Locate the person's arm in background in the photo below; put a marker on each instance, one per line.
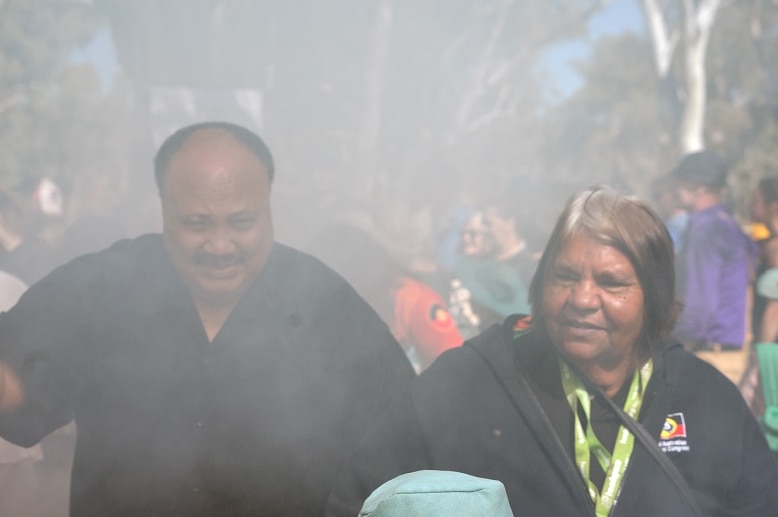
(768, 328)
(767, 286)
(11, 391)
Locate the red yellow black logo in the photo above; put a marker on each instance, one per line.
(674, 427)
(440, 316)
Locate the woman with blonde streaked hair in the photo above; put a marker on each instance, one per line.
(588, 407)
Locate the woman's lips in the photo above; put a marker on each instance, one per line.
(582, 326)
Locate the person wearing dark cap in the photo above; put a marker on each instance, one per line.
(715, 266)
(210, 370)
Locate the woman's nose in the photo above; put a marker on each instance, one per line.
(583, 295)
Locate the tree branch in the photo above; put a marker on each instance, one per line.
(663, 43)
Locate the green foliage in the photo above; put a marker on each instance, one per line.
(620, 126)
(614, 129)
(36, 38)
(743, 106)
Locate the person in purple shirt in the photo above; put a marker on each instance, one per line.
(715, 265)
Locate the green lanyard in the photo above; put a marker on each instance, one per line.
(587, 444)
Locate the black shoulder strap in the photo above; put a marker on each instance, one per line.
(494, 351)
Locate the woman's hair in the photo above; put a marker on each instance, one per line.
(634, 229)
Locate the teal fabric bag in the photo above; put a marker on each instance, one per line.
(437, 493)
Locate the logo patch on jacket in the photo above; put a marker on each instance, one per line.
(440, 317)
(673, 435)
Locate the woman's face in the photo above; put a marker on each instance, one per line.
(593, 305)
(475, 237)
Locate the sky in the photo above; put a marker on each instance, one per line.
(619, 17)
(101, 52)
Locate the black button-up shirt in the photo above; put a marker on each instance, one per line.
(256, 422)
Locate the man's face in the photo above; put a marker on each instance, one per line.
(216, 216)
(687, 194)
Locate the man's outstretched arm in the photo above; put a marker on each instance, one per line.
(11, 390)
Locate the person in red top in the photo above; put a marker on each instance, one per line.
(422, 323)
(415, 313)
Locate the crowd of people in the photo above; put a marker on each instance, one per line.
(211, 370)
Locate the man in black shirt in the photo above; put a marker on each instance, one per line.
(210, 370)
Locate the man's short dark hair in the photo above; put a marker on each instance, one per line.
(174, 142)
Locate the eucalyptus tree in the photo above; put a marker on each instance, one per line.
(36, 39)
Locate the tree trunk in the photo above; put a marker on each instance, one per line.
(699, 23)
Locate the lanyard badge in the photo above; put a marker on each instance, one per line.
(614, 463)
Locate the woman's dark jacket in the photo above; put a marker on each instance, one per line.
(474, 411)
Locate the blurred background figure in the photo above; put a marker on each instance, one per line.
(34, 481)
(508, 218)
(464, 233)
(22, 252)
(715, 267)
(764, 210)
(415, 313)
(475, 238)
(494, 265)
(664, 196)
(764, 214)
